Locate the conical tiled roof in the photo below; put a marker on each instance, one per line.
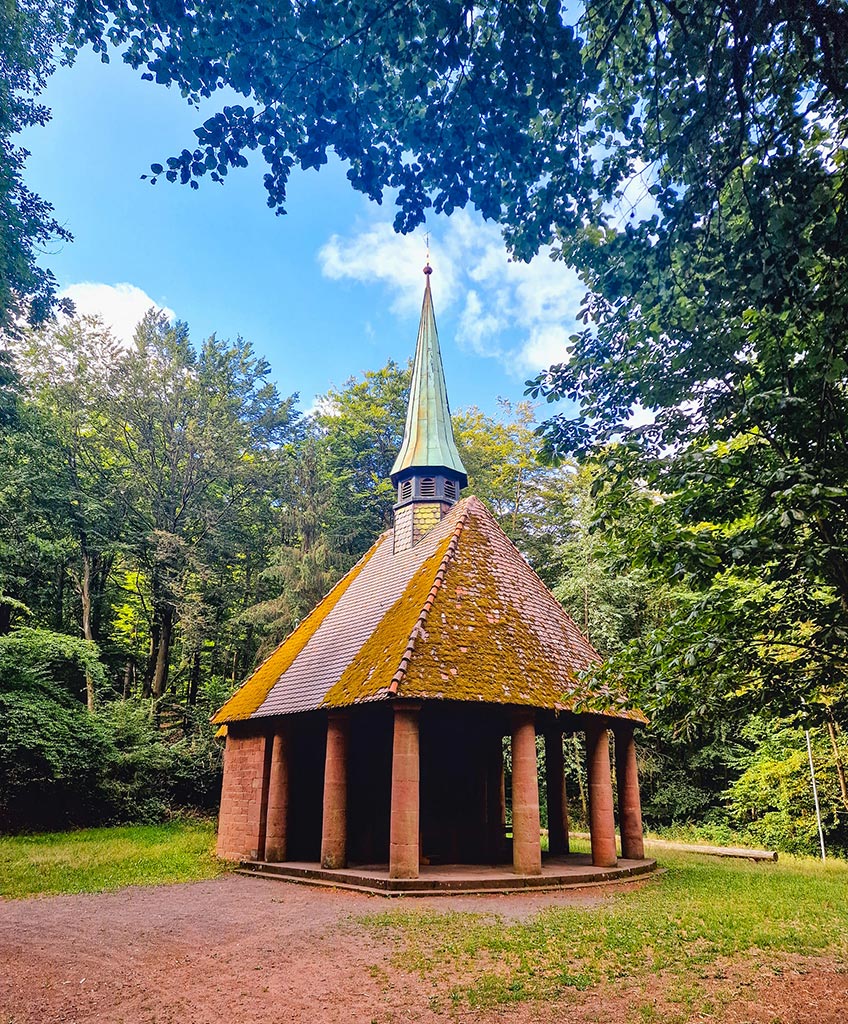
(460, 616)
(428, 440)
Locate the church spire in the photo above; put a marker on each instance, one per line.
(428, 471)
(428, 442)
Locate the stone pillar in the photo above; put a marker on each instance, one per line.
(404, 824)
(629, 803)
(259, 853)
(555, 785)
(276, 827)
(334, 825)
(526, 843)
(601, 814)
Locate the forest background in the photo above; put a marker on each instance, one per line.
(166, 515)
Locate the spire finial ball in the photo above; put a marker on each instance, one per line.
(428, 270)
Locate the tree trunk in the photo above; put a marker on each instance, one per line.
(5, 618)
(85, 595)
(128, 675)
(580, 786)
(59, 607)
(100, 577)
(586, 610)
(837, 757)
(163, 652)
(150, 668)
(85, 599)
(193, 679)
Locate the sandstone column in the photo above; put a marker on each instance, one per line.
(629, 803)
(601, 814)
(276, 826)
(334, 826)
(404, 824)
(526, 844)
(555, 785)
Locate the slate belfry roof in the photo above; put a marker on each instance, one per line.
(459, 616)
(428, 441)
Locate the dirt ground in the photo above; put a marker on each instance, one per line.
(253, 951)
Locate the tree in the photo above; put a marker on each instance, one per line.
(302, 568)
(198, 431)
(717, 307)
(534, 114)
(535, 504)
(375, 81)
(612, 600)
(772, 796)
(70, 375)
(361, 429)
(29, 32)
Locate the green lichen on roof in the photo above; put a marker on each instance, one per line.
(428, 436)
(495, 634)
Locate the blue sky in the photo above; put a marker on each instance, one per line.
(324, 293)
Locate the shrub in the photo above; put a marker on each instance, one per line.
(61, 765)
(53, 755)
(56, 663)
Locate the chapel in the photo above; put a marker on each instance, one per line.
(374, 735)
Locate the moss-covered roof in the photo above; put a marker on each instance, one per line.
(461, 616)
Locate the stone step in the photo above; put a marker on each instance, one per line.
(443, 884)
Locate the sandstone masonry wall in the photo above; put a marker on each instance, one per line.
(242, 812)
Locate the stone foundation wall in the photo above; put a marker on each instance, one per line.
(241, 818)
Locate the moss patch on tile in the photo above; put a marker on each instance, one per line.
(476, 646)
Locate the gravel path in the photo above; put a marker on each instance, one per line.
(250, 951)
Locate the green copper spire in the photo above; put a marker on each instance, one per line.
(428, 436)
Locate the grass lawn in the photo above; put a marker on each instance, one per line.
(96, 859)
(702, 912)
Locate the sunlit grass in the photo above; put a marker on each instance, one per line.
(680, 922)
(97, 859)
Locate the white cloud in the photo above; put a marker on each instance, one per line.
(380, 254)
(120, 306)
(640, 416)
(546, 346)
(519, 313)
(321, 405)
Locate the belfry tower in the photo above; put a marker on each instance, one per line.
(428, 471)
